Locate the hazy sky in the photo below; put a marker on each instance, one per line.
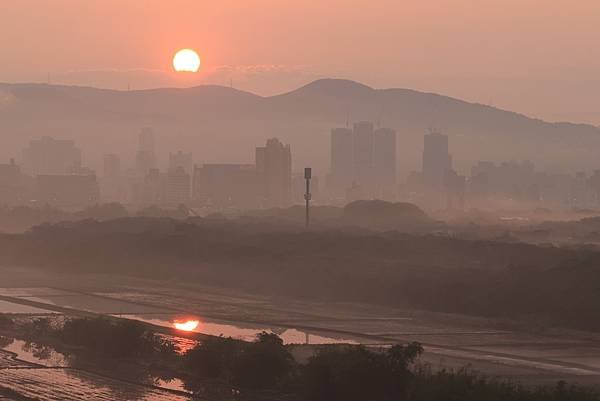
(540, 57)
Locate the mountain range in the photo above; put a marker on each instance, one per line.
(221, 124)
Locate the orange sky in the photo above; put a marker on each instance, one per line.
(534, 56)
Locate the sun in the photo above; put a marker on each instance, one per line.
(186, 60)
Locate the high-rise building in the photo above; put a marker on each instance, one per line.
(150, 190)
(178, 187)
(227, 186)
(49, 156)
(363, 154)
(363, 159)
(146, 155)
(71, 191)
(385, 161)
(436, 160)
(181, 159)
(342, 159)
(274, 167)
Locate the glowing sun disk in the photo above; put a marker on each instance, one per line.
(186, 60)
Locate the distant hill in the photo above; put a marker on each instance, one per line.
(220, 124)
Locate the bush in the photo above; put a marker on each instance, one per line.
(38, 328)
(214, 358)
(466, 386)
(262, 364)
(114, 338)
(353, 373)
(6, 322)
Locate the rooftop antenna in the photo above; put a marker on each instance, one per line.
(347, 120)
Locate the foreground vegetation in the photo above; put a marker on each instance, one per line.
(227, 369)
(538, 285)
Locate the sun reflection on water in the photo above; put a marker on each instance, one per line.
(188, 325)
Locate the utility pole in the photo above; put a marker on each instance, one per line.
(307, 195)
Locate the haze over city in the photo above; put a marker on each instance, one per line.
(299, 201)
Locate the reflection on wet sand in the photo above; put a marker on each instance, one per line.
(244, 332)
(42, 373)
(63, 384)
(449, 344)
(37, 354)
(189, 325)
(164, 317)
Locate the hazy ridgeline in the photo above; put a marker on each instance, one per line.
(209, 119)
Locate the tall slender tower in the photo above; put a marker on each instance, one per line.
(307, 195)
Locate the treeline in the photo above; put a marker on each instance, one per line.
(372, 214)
(224, 368)
(537, 284)
(22, 218)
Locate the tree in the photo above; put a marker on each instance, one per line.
(354, 373)
(263, 364)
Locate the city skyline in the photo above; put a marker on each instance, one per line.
(206, 118)
(363, 166)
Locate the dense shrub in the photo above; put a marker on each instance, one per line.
(467, 386)
(220, 367)
(262, 364)
(6, 321)
(38, 328)
(214, 358)
(113, 338)
(353, 373)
